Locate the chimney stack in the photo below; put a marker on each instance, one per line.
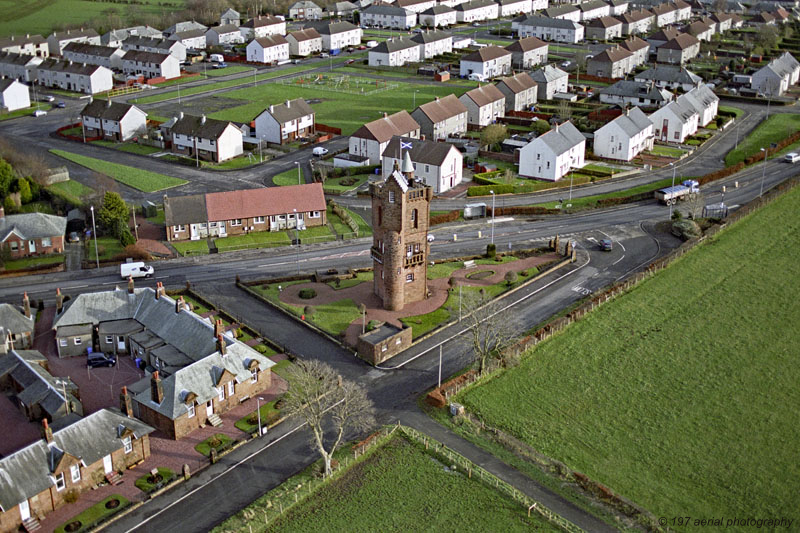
(217, 328)
(125, 404)
(26, 305)
(159, 290)
(179, 304)
(48, 433)
(271, 108)
(59, 301)
(221, 344)
(130, 284)
(156, 389)
(108, 102)
(288, 104)
(3, 341)
(202, 119)
(180, 115)
(2, 212)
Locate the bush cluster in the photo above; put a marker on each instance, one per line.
(344, 215)
(307, 294)
(450, 216)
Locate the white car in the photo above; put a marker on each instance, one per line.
(476, 77)
(39, 113)
(319, 151)
(431, 238)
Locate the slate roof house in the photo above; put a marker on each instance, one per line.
(230, 16)
(224, 34)
(29, 45)
(93, 54)
(674, 122)
(114, 121)
(19, 67)
(477, 10)
(670, 77)
(18, 326)
(388, 16)
(370, 140)
(437, 17)
(704, 101)
(438, 164)
(550, 80)
(191, 39)
(337, 34)
(37, 478)
(161, 46)
(777, 76)
(151, 65)
(549, 29)
(31, 234)
(261, 26)
(433, 43)
(520, 91)
(283, 123)
(87, 79)
(551, 155)
(239, 212)
(394, 52)
(59, 39)
(114, 38)
(14, 95)
(485, 104)
(204, 138)
(305, 10)
(625, 137)
(441, 117)
(626, 92)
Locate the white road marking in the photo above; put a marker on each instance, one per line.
(618, 260)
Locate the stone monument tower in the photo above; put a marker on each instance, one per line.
(400, 216)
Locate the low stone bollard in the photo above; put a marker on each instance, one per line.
(186, 473)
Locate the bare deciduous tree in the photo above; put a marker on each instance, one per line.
(323, 400)
(490, 328)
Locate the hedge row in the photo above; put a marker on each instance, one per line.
(617, 200)
(344, 215)
(523, 210)
(757, 157)
(338, 172)
(486, 178)
(450, 216)
(500, 188)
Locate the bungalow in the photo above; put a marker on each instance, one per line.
(337, 35)
(150, 65)
(240, 212)
(777, 76)
(477, 10)
(550, 80)
(528, 52)
(204, 138)
(59, 39)
(520, 91)
(269, 49)
(625, 137)
(415, 6)
(304, 42)
(674, 122)
(370, 140)
(305, 10)
(158, 46)
(511, 8)
(552, 155)
(637, 22)
(439, 16)
(611, 63)
(94, 54)
(549, 29)
(87, 79)
(439, 165)
(116, 121)
(29, 45)
(702, 30)
(37, 393)
(114, 38)
(19, 67)
(441, 117)
(283, 123)
(679, 50)
(670, 77)
(489, 61)
(190, 39)
(48, 473)
(635, 93)
(13, 95)
(484, 105)
(262, 26)
(394, 52)
(603, 28)
(388, 16)
(17, 326)
(594, 9)
(433, 43)
(222, 35)
(704, 101)
(638, 47)
(617, 7)
(563, 12)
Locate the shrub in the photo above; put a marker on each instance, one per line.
(450, 216)
(308, 310)
(491, 250)
(372, 324)
(71, 496)
(510, 277)
(307, 294)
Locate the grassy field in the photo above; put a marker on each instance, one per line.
(72, 191)
(398, 487)
(35, 16)
(257, 239)
(682, 394)
(191, 247)
(107, 248)
(591, 201)
(667, 151)
(776, 128)
(28, 262)
(139, 179)
(234, 69)
(288, 177)
(735, 110)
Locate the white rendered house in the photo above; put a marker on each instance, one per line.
(625, 137)
(551, 156)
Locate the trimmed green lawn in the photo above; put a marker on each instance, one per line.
(592, 201)
(249, 422)
(191, 247)
(26, 112)
(72, 191)
(335, 186)
(197, 307)
(144, 484)
(364, 229)
(776, 128)
(682, 394)
(361, 277)
(158, 220)
(217, 441)
(139, 179)
(335, 316)
(257, 239)
(243, 161)
(398, 487)
(315, 234)
(136, 148)
(93, 514)
(444, 270)
(288, 177)
(730, 109)
(233, 69)
(667, 151)
(29, 262)
(107, 248)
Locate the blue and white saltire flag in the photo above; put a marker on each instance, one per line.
(406, 145)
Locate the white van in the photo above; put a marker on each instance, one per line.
(135, 270)
(792, 157)
(476, 77)
(216, 58)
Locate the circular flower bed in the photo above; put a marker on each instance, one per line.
(113, 503)
(73, 526)
(307, 294)
(481, 274)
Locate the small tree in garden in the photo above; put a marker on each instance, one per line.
(493, 134)
(490, 328)
(510, 277)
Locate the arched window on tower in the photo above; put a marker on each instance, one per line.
(414, 218)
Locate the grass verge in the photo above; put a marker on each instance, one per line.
(774, 129)
(94, 514)
(139, 179)
(72, 191)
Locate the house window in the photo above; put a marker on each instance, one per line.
(60, 482)
(398, 342)
(409, 278)
(222, 393)
(77, 341)
(127, 446)
(677, 136)
(230, 388)
(109, 339)
(254, 376)
(384, 348)
(75, 473)
(236, 222)
(538, 157)
(46, 242)
(259, 220)
(391, 197)
(14, 246)
(314, 214)
(414, 217)
(62, 342)
(190, 407)
(548, 164)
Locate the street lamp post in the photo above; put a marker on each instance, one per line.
(259, 399)
(94, 234)
(298, 172)
(493, 196)
(570, 186)
(763, 172)
(672, 201)
(297, 243)
(415, 99)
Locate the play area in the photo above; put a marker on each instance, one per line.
(340, 83)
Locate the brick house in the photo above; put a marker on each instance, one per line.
(400, 248)
(67, 462)
(18, 327)
(114, 121)
(383, 342)
(228, 213)
(32, 234)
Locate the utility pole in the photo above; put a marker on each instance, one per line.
(135, 226)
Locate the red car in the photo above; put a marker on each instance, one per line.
(349, 61)
(362, 47)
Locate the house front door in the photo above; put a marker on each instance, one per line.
(210, 408)
(108, 466)
(222, 230)
(121, 344)
(24, 510)
(193, 232)
(32, 246)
